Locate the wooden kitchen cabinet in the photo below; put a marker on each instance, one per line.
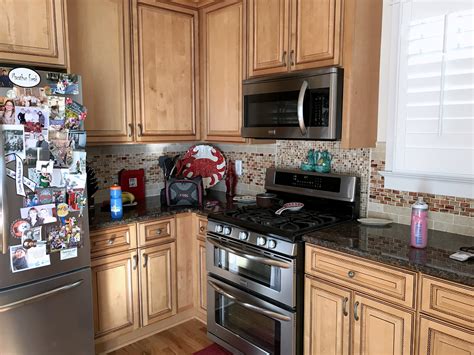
(115, 295)
(326, 319)
(202, 278)
(222, 62)
(100, 48)
(381, 329)
(158, 282)
(165, 57)
(33, 32)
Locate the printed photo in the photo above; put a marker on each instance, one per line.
(45, 168)
(4, 79)
(34, 175)
(36, 147)
(7, 111)
(32, 234)
(78, 165)
(65, 84)
(74, 181)
(19, 227)
(59, 146)
(58, 178)
(45, 196)
(31, 97)
(78, 140)
(39, 215)
(14, 140)
(34, 119)
(75, 114)
(57, 106)
(65, 237)
(25, 259)
(76, 199)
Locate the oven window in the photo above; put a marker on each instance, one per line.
(279, 109)
(256, 328)
(266, 275)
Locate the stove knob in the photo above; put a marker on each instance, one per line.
(261, 241)
(219, 228)
(243, 235)
(272, 244)
(227, 230)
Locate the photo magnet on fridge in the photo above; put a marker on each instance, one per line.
(78, 140)
(7, 111)
(35, 119)
(78, 165)
(19, 227)
(67, 236)
(14, 140)
(25, 259)
(57, 107)
(45, 168)
(30, 235)
(39, 215)
(5, 81)
(75, 115)
(63, 84)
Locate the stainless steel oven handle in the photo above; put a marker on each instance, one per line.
(265, 312)
(303, 88)
(253, 257)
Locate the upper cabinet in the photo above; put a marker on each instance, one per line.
(165, 70)
(33, 32)
(222, 47)
(291, 35)
(100, 48)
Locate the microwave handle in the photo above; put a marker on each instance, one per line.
(303, 88)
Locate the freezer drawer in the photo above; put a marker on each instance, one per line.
(53, 316)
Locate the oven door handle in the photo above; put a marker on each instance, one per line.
(248, 256)
(271, 314)
(303, 88)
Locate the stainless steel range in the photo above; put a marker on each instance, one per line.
(255, 261)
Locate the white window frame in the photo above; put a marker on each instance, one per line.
(438, 184)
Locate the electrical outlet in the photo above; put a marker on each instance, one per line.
(238, 167)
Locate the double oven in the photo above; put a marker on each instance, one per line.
(252, 288)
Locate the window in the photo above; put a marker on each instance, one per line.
(430, 140)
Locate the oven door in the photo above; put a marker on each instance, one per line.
(248, 323)
(267, 274)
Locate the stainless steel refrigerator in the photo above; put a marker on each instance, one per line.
(45, 309)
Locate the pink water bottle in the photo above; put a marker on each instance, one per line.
(419, 224)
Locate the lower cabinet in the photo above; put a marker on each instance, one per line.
(115, 288)
(437, 337)
(202, 278)
(158, 282)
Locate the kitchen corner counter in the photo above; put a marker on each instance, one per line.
(391, 245)
(151, 208)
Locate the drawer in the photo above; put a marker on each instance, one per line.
(113, 240)
(156, 232)
(201, 226)
(375, 279)
(447, 300)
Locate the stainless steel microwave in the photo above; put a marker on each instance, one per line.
(304, 105)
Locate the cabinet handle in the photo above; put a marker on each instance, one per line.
(140, 130)
(145, 259)
(356, 316)
(158, 231)
(344, 306)
(130, 129)
(111, 239)
(202, 229)
(135, 262)
(351, 274)
(292, 57)
(283, 57)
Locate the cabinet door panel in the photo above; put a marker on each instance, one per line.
(268, 36)
(327, 320)
(222, 42)
(202, 275)
(33, 31)
(166, 69)
(115, 288)
(381, 329)
(158, 281)
(100, 47)
(315, 33)
(438, 338)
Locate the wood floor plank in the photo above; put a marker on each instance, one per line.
(184, 339)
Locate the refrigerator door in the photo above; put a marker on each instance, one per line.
(48, 317)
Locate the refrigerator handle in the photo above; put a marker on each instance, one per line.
(35, 298)
(4, 234)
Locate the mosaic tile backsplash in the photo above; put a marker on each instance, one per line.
(447, 213)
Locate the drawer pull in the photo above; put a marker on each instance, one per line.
(145, 260)
(344, 306)
(356, 316)
(351, 274)
(110, 241)
(158, 231)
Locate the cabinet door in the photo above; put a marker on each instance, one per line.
(166, 65)
(316, 32)
(158, 282)
(100, 48)
(268, 38)
(202, 279)
(326, 319)
(115, 291)
(381, 329)
(222, 48)
(438, 338)
(33, 31)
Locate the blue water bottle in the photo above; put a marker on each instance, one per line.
(116, 208)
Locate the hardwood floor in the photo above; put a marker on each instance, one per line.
(185, 338)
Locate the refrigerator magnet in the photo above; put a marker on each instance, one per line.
(25, 259)
(78, 140)
(39, 215)
(62, 211)
(28, 183)
(14, 139)
(45, 168)
(67, 236)
(20, 189)
(68, 254)
(18, 227)
(32, 234)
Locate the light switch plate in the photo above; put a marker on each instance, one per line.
(238, 167)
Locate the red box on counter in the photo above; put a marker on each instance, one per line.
(133, 181)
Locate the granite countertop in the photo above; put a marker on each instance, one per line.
(391, 245)
(151, 208)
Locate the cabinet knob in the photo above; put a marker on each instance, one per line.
(351, 274)
(158, 231)
(202, 229)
